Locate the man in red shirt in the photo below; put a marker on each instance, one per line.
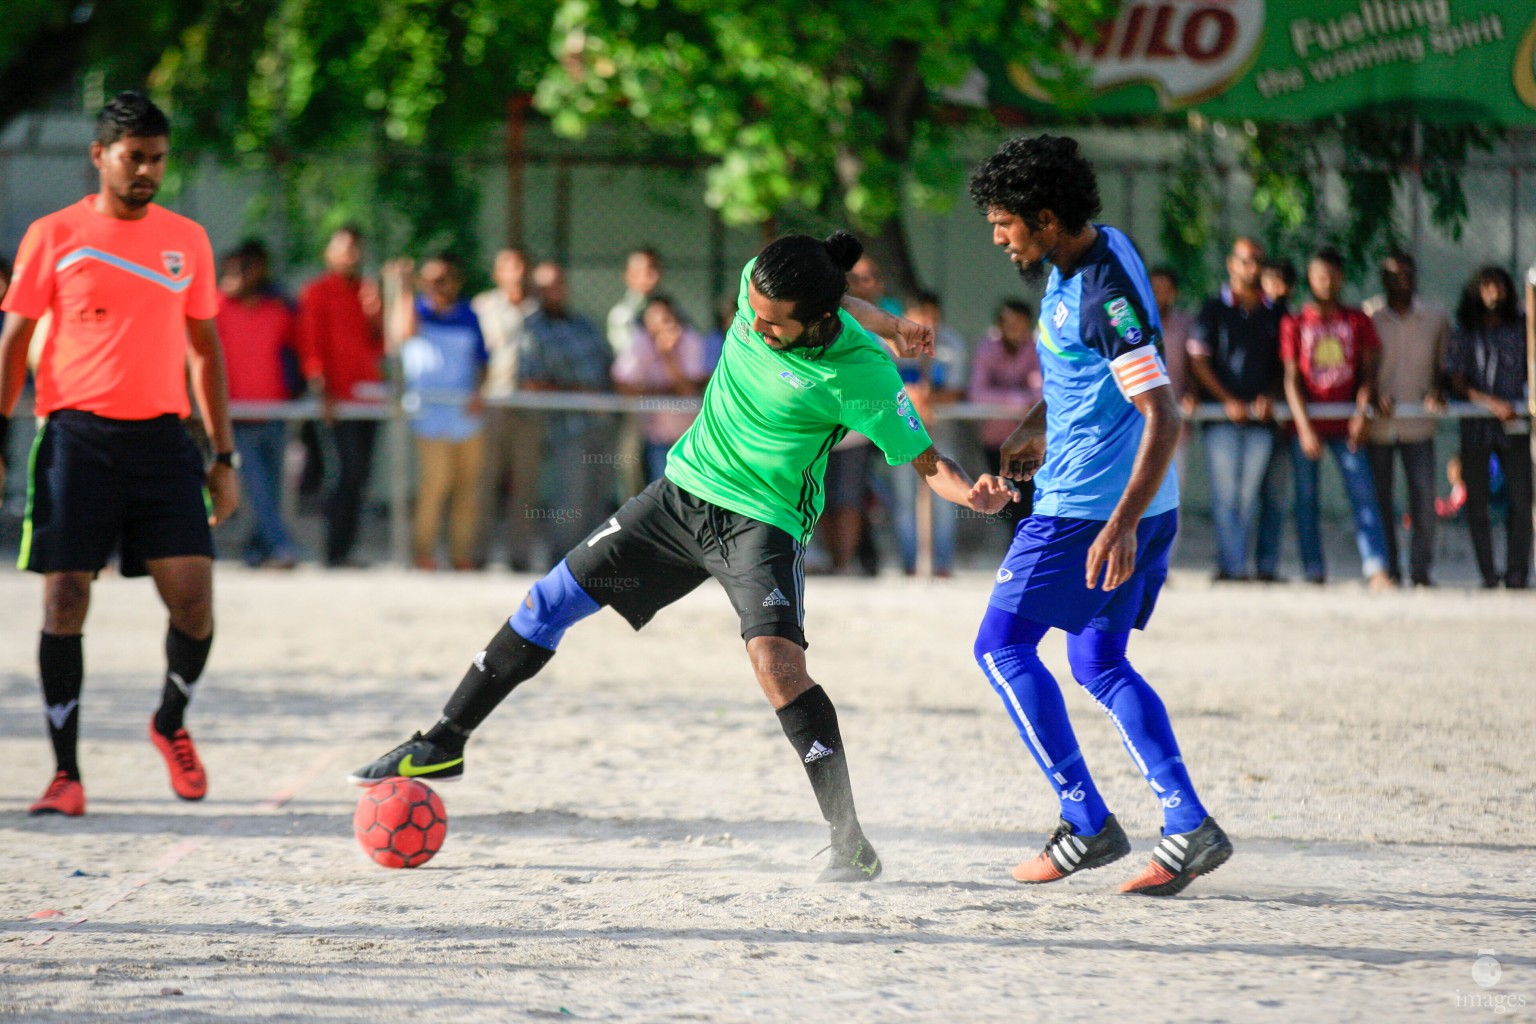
(129, 287)
(341, 340)
(256, 327)
(1331, 353)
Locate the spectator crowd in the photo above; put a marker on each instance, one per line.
(1291, 379)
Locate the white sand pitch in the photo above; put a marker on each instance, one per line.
(634, 840)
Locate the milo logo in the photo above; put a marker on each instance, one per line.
(1122, 317)
(1525, 68)
(1189, 50)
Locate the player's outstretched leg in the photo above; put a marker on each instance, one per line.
(516, 653)
(810, 723)
(62, 667)
(1088, 836)
(1192, 844)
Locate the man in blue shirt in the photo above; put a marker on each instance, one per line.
(566, 352)
(443, 359)
(1093, 556)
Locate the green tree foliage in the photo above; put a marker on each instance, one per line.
(1188, 229)
(1374, 155)
(366, 109)
(46, 45)
(828, 108)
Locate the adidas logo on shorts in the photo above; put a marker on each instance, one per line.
(776, 599)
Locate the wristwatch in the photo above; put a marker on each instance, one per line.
(230, 459)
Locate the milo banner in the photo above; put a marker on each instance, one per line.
(1295, 60)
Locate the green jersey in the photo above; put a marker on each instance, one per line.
(769, 419)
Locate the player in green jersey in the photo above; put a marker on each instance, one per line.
(741, 495)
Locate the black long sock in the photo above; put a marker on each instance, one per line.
(506, 661)
(62, 667)
(810, 722)
(184, 661)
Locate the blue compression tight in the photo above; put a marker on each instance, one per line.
(1007, 651)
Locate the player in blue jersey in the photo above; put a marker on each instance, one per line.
(1092, 557)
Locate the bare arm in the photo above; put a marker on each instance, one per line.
(1200, 369)
(907, 338)
(1022, 455)
(14, 341)
(401, 321)
(210, 387)
(1114, 550)
(988, 494)
(1502, 410)
(1366, 396)
(1298, 403)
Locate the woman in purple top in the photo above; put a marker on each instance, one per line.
(1006, 371)
(667, 358)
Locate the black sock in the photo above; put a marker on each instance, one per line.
(810, 722)
(184, 661)
(506, 661)
(62, 667)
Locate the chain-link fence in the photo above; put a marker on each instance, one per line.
(588, 207)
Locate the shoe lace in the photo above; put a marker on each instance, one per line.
(1062, 831)
(183, 752)
(57, 787)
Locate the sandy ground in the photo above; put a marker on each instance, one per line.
(635, 840)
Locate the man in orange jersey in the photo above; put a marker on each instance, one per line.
(130, 287)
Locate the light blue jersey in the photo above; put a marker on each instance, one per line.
(1100, 343)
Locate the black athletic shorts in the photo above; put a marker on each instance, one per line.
(97, 485)
(664, 542)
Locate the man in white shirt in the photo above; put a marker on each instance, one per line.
(1414, 335)
(514, 438)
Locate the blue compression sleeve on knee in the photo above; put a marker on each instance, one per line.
(554, 605)
(1006, 650)
(1099, 663)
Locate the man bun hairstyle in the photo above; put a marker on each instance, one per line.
(810, 272)
(130, 113)
(844, 249)
(1042, 172)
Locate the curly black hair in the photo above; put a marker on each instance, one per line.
(1470, 310)
(130, 113)
(1046, 172)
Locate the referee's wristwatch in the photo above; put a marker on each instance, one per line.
(230, 459)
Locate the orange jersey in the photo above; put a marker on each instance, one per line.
(120, 292)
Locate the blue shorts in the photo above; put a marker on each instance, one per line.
(1043, 576)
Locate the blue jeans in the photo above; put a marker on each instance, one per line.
(908, 490)
(1236, 455)
(1274, 499)
(261, 447)
(1355, 468)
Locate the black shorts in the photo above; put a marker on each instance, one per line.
(99, 484)
(664, 542)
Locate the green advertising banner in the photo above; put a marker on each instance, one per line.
(1296, 60)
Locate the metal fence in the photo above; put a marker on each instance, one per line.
(399, 486)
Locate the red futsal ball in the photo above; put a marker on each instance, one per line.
(400, 823)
